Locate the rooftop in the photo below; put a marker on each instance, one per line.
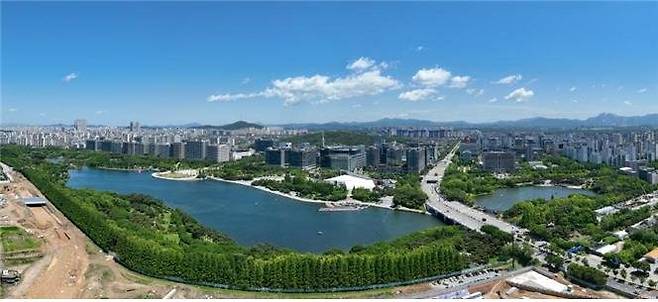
(34, 201)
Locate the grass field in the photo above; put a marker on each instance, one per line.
(17, 239)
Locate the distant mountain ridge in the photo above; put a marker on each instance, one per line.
(232, 126)
(602, 120)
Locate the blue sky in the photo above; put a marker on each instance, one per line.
(174, 62)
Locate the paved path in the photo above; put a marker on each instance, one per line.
(453, 210)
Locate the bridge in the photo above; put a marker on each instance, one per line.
(453, 211)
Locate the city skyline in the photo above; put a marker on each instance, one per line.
(320, 62)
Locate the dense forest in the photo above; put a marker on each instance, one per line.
(151, 238)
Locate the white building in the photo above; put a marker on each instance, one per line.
(351, 182)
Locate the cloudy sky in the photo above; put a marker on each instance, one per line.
(171, 63)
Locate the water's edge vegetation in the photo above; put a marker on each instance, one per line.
(153, 239)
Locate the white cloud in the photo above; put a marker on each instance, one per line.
(643, 90)
(475, 92)
(510, 79)
(232, 97)
(459, 81)
(362, 63)
(42, 114)
(357, 106)
(70, 77)
(432, 77)
(319, 87)
(628, 103)
(246, 80)
(418, 94)
(493, 100)
(520, 94)
(420, 48)
(99, 112)
(12, 109)
(572, 89)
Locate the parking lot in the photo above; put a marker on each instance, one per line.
(466, 279)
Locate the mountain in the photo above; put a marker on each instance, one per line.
(602, 120)
(232, 126)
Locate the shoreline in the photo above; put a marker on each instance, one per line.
(188, 178)
(124, 169)
(247, 183)
(302, 199)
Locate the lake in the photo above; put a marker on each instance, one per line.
(251, 216)
(504, 198)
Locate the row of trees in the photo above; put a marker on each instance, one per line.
(151, 238)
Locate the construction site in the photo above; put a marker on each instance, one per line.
(66, 264)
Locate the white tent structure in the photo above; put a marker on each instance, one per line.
(351, 182)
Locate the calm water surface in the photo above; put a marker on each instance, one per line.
(504, 198)
(252, 216)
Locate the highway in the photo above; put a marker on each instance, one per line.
(453, 210)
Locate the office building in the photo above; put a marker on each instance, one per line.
(80, 125)
(301, 158)
(498, 161)
(195, 150)
(134, 127)
(343, 158)
(218, 153)
(261, 144)
(394, 156)
(415, 159)
(159, 150)
(373, 156)
(92, 144)
(178, 150)
(275, 156)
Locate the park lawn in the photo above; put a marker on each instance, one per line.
(17, 239)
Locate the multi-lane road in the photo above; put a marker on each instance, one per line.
(456, 211)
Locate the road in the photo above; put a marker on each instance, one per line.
(456, 211)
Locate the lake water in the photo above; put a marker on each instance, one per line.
(251, 216)
(504, 198)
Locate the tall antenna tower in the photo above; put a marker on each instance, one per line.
(322, 139)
